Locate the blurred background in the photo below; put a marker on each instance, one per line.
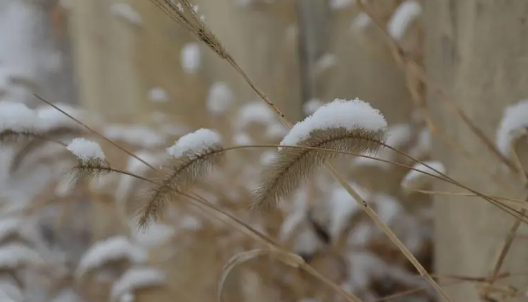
(130, 72)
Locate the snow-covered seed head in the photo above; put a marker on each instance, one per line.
(85, 150)
(91, 159)
(416, 179)
(343, 126)
(192, 157)
(512, 127)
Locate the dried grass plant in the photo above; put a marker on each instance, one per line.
(128, 216)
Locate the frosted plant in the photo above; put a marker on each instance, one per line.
(86, 150)
(415, 179)
(111, 249)
(158, 95)
(191, 57)
(341, 125)
(191, 158)
(512, 126)
(127, 12)
(194, 142)
(220, 98)
(136, 278)
(404, 15)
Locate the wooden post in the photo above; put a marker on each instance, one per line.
(478, 52)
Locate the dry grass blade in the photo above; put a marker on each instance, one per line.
(181, 174)
(293, 165)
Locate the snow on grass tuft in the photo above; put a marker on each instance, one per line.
(17, 117)
(404, 15)
(220, 98)
(136, 278)
(191, 57)
(114, 248)
(86, 150)
(417, 180)
(195, 142)
(512, 126)
(351, 115)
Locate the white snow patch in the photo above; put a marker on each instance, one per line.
(255, 112)
(220, 98)
(127, 12)
(311, 106)
(351, 115)
(17, 117)
(195, 142)
(158, 95)
(114, 248)
(362, 20)
(154, 235)
(404, 15)
(191, 57)
(136, 278)
(242, 138)
(86, 150)
(513, 125)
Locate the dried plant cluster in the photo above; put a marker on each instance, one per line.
(95, 211)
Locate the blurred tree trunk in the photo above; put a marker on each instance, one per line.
(478, 52)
